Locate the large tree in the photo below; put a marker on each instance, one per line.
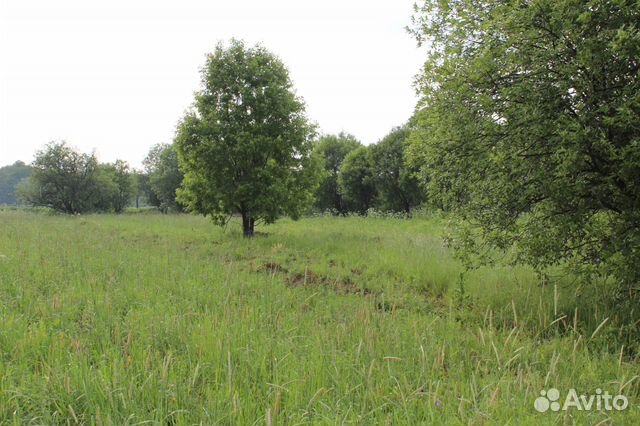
(246, 145)
(398, 186)
(529, 127)
(331, 149)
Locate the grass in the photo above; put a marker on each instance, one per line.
(168, 320)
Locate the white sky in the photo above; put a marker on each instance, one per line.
(116, 76)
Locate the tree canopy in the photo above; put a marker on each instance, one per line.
(396, 181)
(163, 177)
(63, 179)
(69, 181)
(246, 145)
(528, 127)
(357, 180)
(332, 149)
(121, 183)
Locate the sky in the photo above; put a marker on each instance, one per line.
(115, 76)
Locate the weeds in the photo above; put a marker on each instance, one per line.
(170, 320)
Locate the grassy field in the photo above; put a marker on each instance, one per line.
(169, 320)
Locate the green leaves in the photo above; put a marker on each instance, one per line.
(164, 177)
(357, 180)
(331, 151)
(395, 180)
(10, 178)
(71, 182)
(528, 126)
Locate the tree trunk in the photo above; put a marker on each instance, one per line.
(248, 223)
(407, 208)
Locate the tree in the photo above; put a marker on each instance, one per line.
(332, 149)
(528, 127)
(10, 177)
(357, 180)
(118, 187)
(246, 145)
(105, 190)
(398, 186)
(63, 179)
(164, 177)
(143, 193)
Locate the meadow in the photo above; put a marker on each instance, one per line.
(170, 320)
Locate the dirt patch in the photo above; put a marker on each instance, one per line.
(305, 278)
(343, 285)
(347, 286)
(273, 267)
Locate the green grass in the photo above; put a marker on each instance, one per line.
(149, 319)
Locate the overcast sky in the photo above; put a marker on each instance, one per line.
(115, 76)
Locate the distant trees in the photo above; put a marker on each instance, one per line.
(246, 145)
(143, 193)
(332, 149)
(119, 185)
(72, 182)
(396, 181)
(163, 177)
(357, 180)
(10, 177)
(63, 179)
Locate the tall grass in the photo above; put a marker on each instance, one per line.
(149, 319)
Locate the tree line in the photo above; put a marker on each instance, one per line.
(356, 177)
(69, 181)
(350, 178)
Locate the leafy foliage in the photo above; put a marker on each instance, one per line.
(528, 127)
(246, 146)
(69, 181)
(121, 184)
(164, 177)
(10, 178)
(64, 180)
(396, 181)
(357, 180)
(332, 149)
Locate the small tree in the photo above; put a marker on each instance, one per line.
(141, 188)
(246, 145)
(119, 193)
(105, 189)
(331, 149)
(357, 180)
(164, 177)
(63, 179)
